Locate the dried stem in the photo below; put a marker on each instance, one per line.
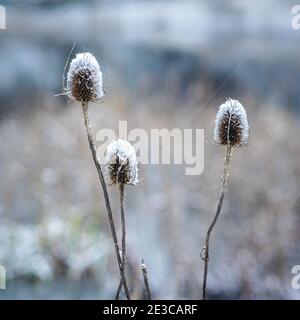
(106, 198)
(122, 210)
(205, 249)
(146, 282)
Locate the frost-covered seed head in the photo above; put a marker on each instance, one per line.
(231, 125)
(121, 163)
(84, 79)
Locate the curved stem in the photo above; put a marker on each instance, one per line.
(122, 210)
(205, 249)
(146, 282)
(106, 198)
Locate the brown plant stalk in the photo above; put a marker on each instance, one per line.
(122, 211)
(106, 198)
(205, 251)
(121, 170)
(146, 282)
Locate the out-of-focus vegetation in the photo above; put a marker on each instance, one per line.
(170, 65)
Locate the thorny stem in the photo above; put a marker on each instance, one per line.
(146, 282)
(106, 198)
(122, 210)
(205, 249)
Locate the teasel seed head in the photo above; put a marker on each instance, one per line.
(121, 163)
(231, 124)
(84, 79)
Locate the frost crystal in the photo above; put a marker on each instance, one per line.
(84, 79)
(231, 125)
(121, 163)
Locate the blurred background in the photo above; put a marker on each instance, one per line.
(169, 64)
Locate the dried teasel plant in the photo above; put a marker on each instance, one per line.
(231, 130)
(146, 281)
(122, 170)
(84, 79)
(231, 126)
(121, 165)
(84, 85)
